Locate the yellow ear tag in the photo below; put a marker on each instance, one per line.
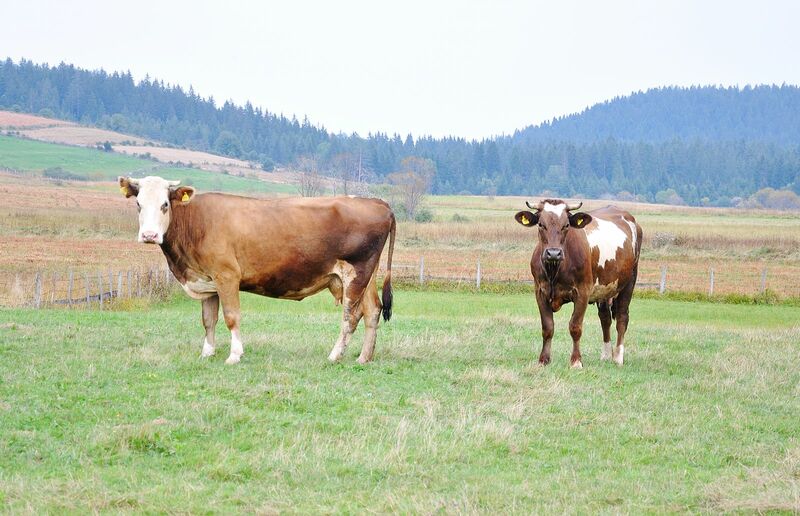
(524, 220)
(580, 222)
(124, 190)
(185, 197)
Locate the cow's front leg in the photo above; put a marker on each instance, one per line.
(210, 317)
(576, 330)
(546, 315)
(229, 296)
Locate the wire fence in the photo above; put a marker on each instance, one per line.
(98, 289)
(82, 289)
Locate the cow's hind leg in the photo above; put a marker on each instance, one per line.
(229, 296)
(351, 314)
(371, 308)
(353, 284)
(604, 311)
(210, 317)
(620, 310)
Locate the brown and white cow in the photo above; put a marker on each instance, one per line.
(217, 245)
(583, 258)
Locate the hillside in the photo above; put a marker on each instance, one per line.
(699, 146)
(762, 113)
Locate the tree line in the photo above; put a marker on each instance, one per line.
(699, 145)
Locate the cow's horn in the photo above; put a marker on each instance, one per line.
(571, 207)
(174, 183)
(538, 207)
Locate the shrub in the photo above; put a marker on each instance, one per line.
(423, 215)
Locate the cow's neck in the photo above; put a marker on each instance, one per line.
(177, 240)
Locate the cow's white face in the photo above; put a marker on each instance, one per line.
(154, 198)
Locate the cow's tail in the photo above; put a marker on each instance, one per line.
(387, 297)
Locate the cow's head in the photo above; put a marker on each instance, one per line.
(554, 218)
(154, 200)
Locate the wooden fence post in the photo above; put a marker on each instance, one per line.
(37, 290)
(421, 270)
(138, 284)
(86, 284)
(478, 276)
(53, 290)
(711, 282)
(69, 288)
(662, 287)
(764, 280)
(119, 284)
(129, 283)
(100, 289)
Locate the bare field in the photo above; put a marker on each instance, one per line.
(11, 120)
(79, 135)
(196, 158)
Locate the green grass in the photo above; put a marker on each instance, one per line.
(114, 411)
(96, 165)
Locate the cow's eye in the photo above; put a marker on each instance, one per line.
(164, 206)
(566, 226)
(138, 206)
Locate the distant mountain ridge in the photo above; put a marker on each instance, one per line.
(755, 113)
(699, 145)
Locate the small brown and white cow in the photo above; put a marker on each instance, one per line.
(217, 245)
(583, 258)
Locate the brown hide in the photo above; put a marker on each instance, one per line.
(283, 248)
(580, 270)
(597, 264)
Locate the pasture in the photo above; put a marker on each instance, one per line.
(115, 411)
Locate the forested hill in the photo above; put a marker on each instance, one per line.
(761, 113)
(698, 145)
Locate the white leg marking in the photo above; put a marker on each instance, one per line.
(619, 354)
(208, 349)
(336, 353)
(577, 365)
(606, 353)
(237, 349)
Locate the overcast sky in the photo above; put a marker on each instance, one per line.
(463, 68)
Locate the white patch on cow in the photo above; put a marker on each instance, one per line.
(577, 365)
(556, 209)
(153, 221)
(200, 288)
(633, 233)
(208, 349)
(237, 349)
(606, 353)
(607, 237)
(619, 354)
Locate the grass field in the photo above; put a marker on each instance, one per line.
(114, 411)
(96, 165)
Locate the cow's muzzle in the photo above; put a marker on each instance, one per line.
(149, 237)
(553, 254)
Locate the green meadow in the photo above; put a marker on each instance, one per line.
(96, 165)
(114, 411)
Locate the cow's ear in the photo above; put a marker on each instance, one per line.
(128, 187)
(526, 218)
(183, 194)
(579, 220)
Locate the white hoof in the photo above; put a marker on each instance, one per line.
(619, 355)
(233, 359)
(208, 350)
(336, 355)
(577, 365)
(605, 354)
(362, 360)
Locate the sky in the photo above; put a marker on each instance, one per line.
(465, 68)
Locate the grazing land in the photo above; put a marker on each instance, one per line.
(115, 411)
